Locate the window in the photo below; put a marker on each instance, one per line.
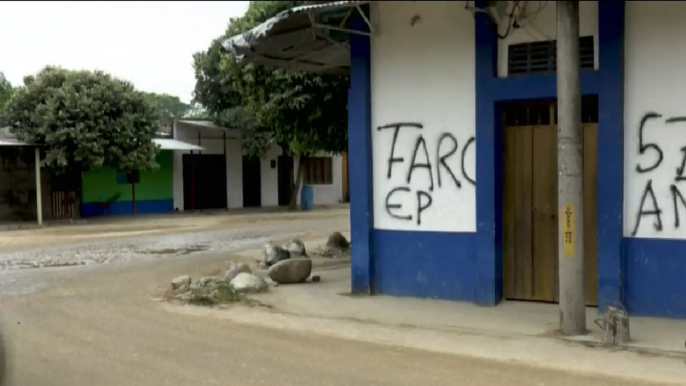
(318, 171)
(124, 179)
(541, 57)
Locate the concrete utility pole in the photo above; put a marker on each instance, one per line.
(570, 172)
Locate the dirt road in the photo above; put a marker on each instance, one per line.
(104, 325)
(101, 326)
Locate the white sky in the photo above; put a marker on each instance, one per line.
(150, 44)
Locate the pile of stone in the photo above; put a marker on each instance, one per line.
(287, 264)
(236, 282)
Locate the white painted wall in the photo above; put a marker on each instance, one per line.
(542, 25)
(323, 194)
(326, 194)
(424, 74)
(655, 65)
(270, 177)
(234, 173)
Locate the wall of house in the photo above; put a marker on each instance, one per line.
(542, 26)
(655, 156)
(213, 144)
(329, 193)
(323, 194)
(18, 186)
(154, 192)
(423, 149)
(270, 177)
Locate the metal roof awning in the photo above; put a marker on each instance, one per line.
(309, 38)
(174, 144)
(12, 142)
(9, 139)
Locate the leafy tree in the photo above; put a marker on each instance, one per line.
(6, 90)
(303, 113)
(170, 106)
(85, 120)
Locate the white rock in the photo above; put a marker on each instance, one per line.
(295, 246)
(247, 282)
(181, 282)
(235, 270)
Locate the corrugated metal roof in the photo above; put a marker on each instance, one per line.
(174, 144)
(9, 139)
(289, 40)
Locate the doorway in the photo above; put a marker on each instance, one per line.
(204, 181)
(530, 220)
(285, 170)
(252, 182)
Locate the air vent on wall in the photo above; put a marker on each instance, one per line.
(540, 57)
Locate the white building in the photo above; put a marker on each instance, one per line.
(223, 176)
(462, 203)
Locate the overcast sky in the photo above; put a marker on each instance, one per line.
(150, 44)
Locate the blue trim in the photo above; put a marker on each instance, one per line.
(360, 161)
(91, 209)
(608, 84)
(488, 268)
(610, 153)
(655, 272)
(543, 86)
(436, 265)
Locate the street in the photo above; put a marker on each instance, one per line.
(104, 324)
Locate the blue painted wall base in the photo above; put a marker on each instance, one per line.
(655, 274)
(436, 265)
(124, 207)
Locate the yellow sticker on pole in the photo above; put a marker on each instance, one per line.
(568, 233)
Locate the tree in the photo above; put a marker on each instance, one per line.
(6, 90)
(303, 113)
(85, 120)
(170, 106)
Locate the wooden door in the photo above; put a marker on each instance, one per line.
(530, 221)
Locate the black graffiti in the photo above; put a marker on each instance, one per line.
(426, 165)
(422, 207)
(642, 148)
(464, 153)
(677, 194)
(396, 129)
(656, 211)
(681, 169)
(390, 206)
(424, 199)
(441, 159)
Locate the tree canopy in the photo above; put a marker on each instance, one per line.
(304, 113)
(85, 120)
(6, 90)
(170, 106)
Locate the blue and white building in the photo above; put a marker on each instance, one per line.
(452, 144)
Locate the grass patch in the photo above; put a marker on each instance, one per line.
(227, 294)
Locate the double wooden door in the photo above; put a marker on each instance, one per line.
(530, 219)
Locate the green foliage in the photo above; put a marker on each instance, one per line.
(85, 120)
(6, 90)
(304, 113)
(170, 106)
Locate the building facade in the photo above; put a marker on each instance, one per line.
(223, 176)
(453, 154)
(107, 191)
